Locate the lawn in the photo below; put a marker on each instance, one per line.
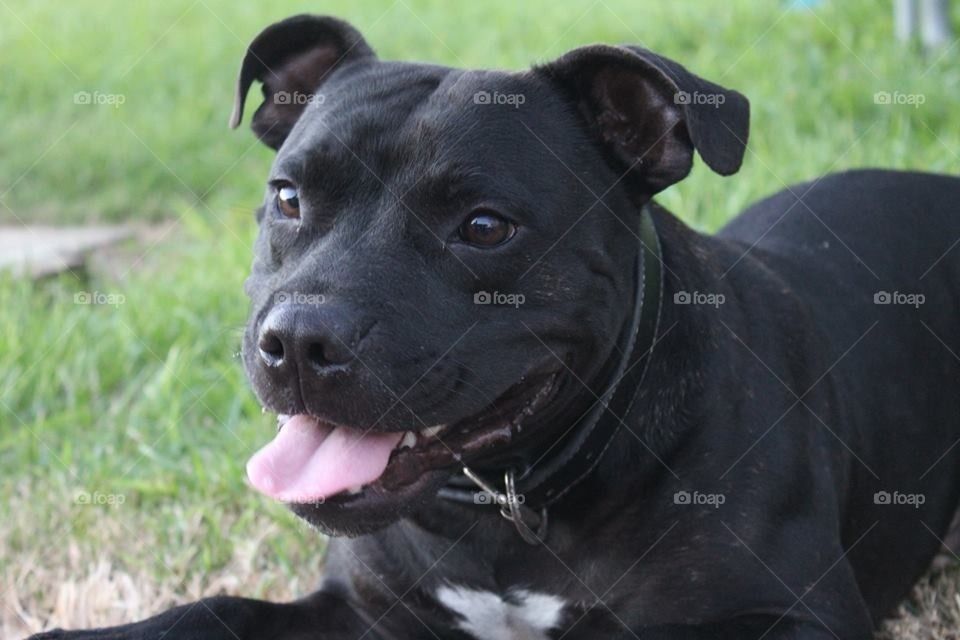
(124, 428)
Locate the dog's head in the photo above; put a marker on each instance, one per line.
(446, 257)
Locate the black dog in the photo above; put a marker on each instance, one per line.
(537, 405)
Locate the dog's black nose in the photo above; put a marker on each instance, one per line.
(303, 337)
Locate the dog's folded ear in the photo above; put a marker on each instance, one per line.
(292, 58)
(650, 113)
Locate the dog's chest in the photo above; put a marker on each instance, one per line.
(518, 614)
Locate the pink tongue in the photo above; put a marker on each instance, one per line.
(309, 461)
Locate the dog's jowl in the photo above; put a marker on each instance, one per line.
(528, 402)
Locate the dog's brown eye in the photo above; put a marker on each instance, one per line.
(288, 201)
(486, 229)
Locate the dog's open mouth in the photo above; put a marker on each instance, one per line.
(311, 461)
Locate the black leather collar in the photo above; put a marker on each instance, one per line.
(525, 498)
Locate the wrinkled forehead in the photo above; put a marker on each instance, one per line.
(393, 119)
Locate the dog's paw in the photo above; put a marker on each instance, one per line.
(62, 634)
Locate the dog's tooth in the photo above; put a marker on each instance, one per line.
(434, 430)
(355, 490)
(409, 440)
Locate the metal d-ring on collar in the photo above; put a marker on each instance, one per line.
(555, 475)
(512, 506)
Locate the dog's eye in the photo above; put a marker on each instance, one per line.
(288, 201)
(486, 229)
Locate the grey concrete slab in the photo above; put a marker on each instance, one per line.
(38, 251)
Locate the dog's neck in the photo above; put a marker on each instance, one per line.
(658, 421)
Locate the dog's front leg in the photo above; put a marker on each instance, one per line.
(321, 616)
(747, 628)
(754, 629)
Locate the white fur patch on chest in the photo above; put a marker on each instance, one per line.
(520, 615)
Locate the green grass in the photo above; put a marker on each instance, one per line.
(147, 399)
